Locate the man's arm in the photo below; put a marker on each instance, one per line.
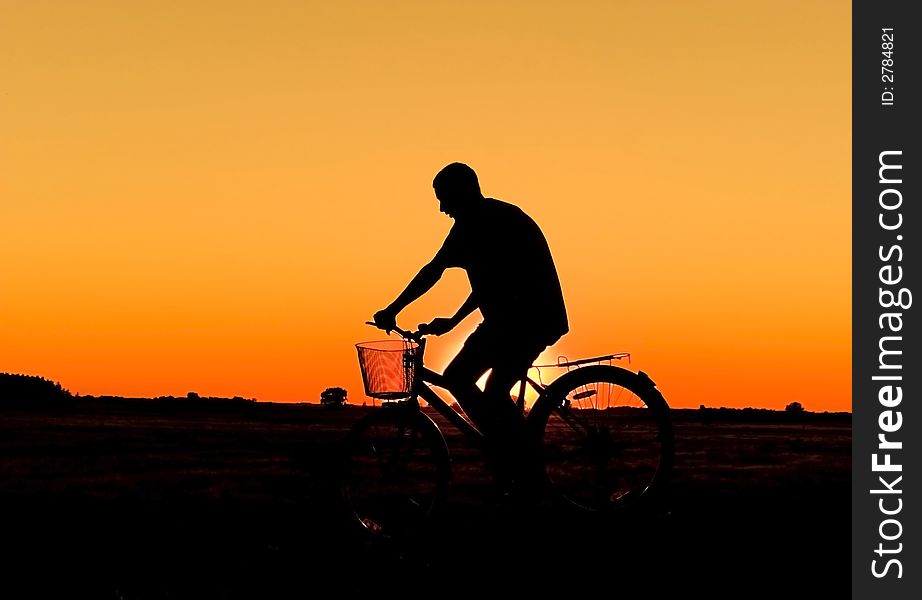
(419, 285)
(469, 306)
(443, 325)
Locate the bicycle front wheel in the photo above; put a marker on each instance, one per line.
(605, 436)
(395, 471)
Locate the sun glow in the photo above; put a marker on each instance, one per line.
(215, 197)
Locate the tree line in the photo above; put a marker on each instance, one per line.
(31, 390)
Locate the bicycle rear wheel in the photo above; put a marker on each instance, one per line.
(605, 436)
(395, 471)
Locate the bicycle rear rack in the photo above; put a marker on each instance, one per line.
(563, 362)
(569, 365)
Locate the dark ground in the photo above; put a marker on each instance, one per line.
(138, 499)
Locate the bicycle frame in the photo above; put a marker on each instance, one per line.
(422, 390)
(425, 376)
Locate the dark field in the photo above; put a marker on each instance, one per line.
(135, 499)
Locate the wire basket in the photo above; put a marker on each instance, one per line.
(388, 368)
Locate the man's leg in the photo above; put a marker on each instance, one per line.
(462, 373)
(504, 413)
(510, 437)
(496, 417)
(493, 411)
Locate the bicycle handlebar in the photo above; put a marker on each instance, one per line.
(415, 336)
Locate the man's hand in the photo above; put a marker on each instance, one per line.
(385, 319)
(437, 326)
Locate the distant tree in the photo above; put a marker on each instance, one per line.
(333, 397)
(794, 407)
(193, 396)
(705, 413)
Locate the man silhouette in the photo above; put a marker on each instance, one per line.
(514, 284)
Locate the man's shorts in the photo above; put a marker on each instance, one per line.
(510, 350)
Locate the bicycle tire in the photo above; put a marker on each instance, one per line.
(395, 472)
(606, 439)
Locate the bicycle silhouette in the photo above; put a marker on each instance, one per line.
(599, 435)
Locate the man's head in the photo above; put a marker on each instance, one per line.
(457, 188)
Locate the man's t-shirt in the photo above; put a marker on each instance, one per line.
(510, 269)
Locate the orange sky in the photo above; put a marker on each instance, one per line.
(214, 196)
